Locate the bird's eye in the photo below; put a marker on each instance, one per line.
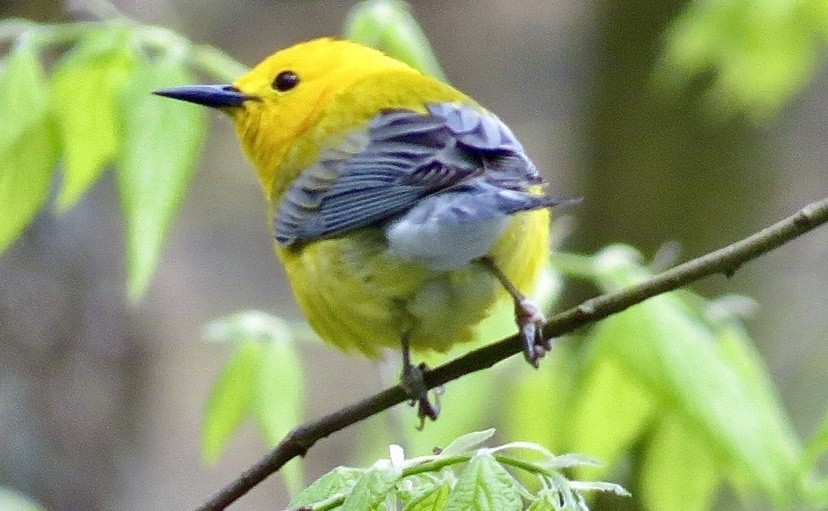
(285, 81)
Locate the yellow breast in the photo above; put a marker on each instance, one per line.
(359, 297)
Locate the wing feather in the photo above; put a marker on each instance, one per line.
(405, 157)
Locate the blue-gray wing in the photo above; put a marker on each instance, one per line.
(403, 157)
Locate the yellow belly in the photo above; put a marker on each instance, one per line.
(358, 297)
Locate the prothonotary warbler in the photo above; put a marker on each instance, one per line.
(402, 209)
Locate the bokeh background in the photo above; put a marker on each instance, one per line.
(100, 401)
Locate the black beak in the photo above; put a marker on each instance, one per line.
(214, 96)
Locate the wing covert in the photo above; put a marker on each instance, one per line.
(404, 156)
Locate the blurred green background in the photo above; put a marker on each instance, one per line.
(100, 402)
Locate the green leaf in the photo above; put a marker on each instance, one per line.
(782, 441)
(544, 503)
(663, 487)
(467, 442)
(414, 485)
(433, 499)
(609, 413)
(757, 54)
(816, 448)
(231, 399)
(484, 485)
(28, 143)
(161, 143)
(279, 398)
(338, 481)
(815, 494)
(388, 25)
(602, 486)
(372, 488)
(676, 358)
(85, 88)
(279, 381)
(11, 500)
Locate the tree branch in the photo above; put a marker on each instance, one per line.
(726, 261)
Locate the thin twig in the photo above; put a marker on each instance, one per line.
(725, 261)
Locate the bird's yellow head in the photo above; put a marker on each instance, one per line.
(278, 100)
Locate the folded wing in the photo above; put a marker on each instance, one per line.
(402, 159)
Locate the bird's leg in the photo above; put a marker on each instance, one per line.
(413, 382)
(528, 316)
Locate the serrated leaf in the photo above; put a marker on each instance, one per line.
(663, 487)
(372, 488)
(388, 25)
(231, 399)
(161, 143)
(279, 398)
(467, 442)
(433, 499)
(28, 144)
(484, 485)
(338, 480)
(610, 411)
(11, 500)
(85, 88)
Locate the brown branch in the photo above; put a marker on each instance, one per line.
(726, 261)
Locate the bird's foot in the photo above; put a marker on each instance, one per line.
(413, 382)
(528, 316)
(531, 321)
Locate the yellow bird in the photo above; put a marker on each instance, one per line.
(402, 209)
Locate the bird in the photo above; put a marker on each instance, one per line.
(402, 210)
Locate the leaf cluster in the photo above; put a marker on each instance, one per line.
(462, 476)
(92, 109)
(751, 55)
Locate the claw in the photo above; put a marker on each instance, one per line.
(414, 384)
(413, 381)
(528, 316)
(531, 322)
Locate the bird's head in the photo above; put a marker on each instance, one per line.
(283, 96)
